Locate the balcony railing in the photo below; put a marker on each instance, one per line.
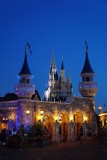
(92, 85)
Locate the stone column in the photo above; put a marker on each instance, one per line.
(72, 131)
(55, 134)
(69, 132)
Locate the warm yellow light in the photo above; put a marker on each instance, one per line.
(55, 117)
(41, 112)
(27, 111)
(102, 114)
(85, 118)
(38, 117)
(72, 118)
(4, 119)
(12, 116)
(100, 108)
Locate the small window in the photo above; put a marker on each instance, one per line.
(23, 80)
(83, 79)
(28, 80)
(87, 79)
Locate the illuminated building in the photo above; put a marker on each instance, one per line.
(59, 107)
(102, 117)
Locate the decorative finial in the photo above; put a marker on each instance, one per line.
(52, 51)
(25, 49)
(53, 58)
(86, 47)
(27, 46)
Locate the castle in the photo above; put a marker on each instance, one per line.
(59, 106)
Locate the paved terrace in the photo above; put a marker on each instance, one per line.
(60, 151)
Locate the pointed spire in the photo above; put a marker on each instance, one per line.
(62, 65)
(25, 68)
(86, 47)
(87, 67)
(53, 58)
(53, 65)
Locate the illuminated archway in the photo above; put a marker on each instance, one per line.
(78, 120)
(48, 121)
(63, 124)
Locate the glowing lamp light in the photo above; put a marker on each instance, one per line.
(72, 118)
(85, 119)
(99, 108)
(55, 118)
(41, 112)
(27, 111)
(5, 119)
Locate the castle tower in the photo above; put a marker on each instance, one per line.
(87, 87)
(58, 88)
(25, 89)
(62, 72)
(53, 75)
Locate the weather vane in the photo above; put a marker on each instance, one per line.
(86, 46)
(28, 46)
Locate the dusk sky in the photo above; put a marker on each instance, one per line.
(60, 24)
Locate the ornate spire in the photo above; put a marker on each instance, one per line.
(87, 67)
(53, 65)
(86, 47)
(62, 65)
(53, 58)
(25, 68)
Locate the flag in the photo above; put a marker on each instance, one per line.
(29, 47)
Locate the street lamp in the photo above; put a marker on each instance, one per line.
(99, 109)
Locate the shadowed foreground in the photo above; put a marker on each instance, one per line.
(60, 151)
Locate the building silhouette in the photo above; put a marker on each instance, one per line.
(59, 108)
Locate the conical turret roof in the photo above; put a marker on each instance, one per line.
(25, 68)
(53, 65)
(87, 67)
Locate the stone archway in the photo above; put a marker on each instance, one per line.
(63, 125)
(78, 121)
(48, 121)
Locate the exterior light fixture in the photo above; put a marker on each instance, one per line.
(85, 119)
(27, 111)
(5, 119)
(41, 112)
(99, 108)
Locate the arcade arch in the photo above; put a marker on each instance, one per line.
(63, 125)
(48, 121)
(78, 121)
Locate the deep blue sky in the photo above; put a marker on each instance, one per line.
(60, 24)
